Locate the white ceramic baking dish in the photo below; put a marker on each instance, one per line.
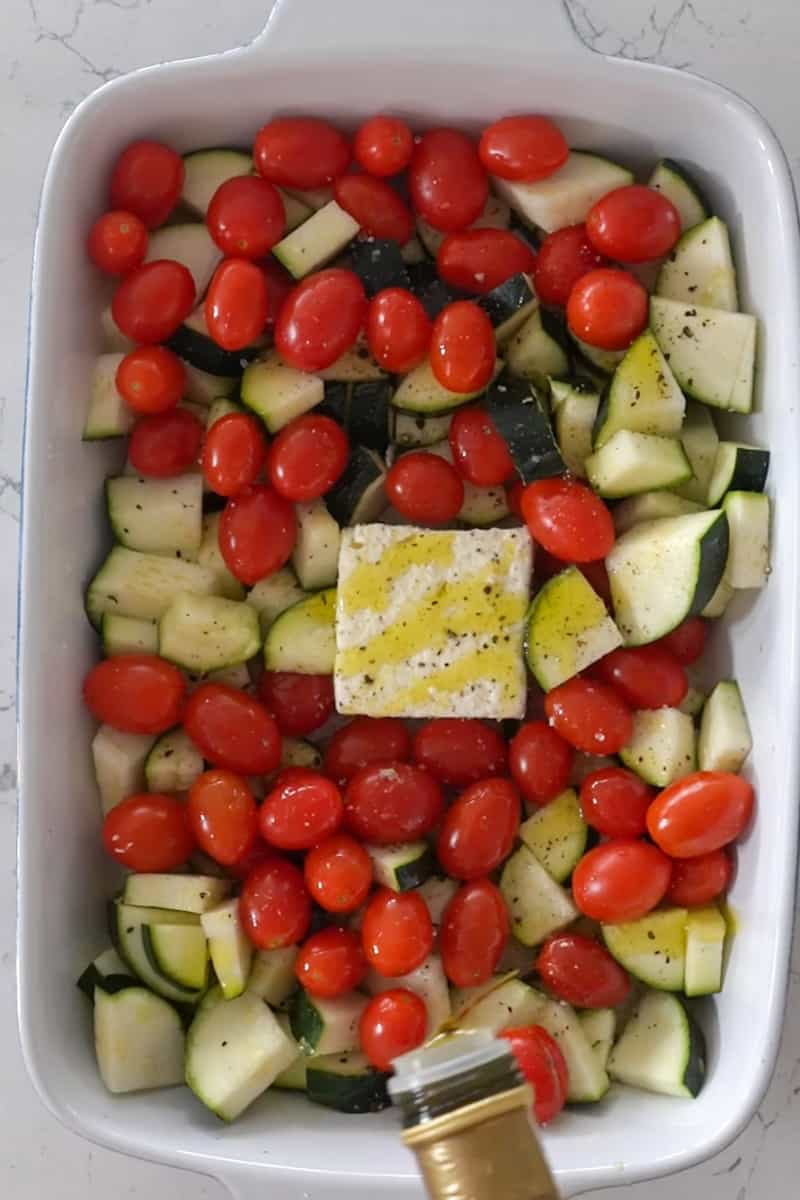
(465, 62)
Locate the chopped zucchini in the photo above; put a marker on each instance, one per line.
(662, 747)
(725, 740)
(206, 170)
(630, 463)
(128, 635)
(437, 892)
(651, 506)
(327, 1026)
(748, 555)
(108, 416)
(705, 947)
(173, 764)
(536, 904)
(229, 946)
(402, 867)
(144, 585)
(643, 395)
(106, 971)
(273, 595)
(700, 440)
(207, 633)
(138, 1040)
(675, 182)
(533, 353)
(182, 893)
(319, 239)
(661, 1049)
(420, 392)
(192, 246)
(303, 639)
(346, 1082)
(129, 924)
(599, 1025)
(272, 976)
(179, 953)
(700, 270)
(119, 763)
(315, 557)
(588, 1080)
(557, 834)
(512, 1003)
(737, 468)
(575, 404)
(408, 430)
(278, 393)
(711, 352)
(428, 981)
(653, 948)
(379, 264)
(568, 628)
(565, 197)
(209, 555)
(293, 1077)
(358, 496)
(356, 365)
(520, 416)
(157, 516)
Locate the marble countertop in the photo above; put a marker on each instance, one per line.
(52, 54)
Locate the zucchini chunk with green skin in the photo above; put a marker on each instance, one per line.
(408, 431)
(481, 506)
(295, 752)
(192, 246)
(157, 516)
(272, 975)
(173, 764)
(662, 747)
(700, 268)
(693, 702)
(191, 341)
(588, 1080)
(496, 215)
(230, 949)
(327, 1026)
(431, 291)
(421, 392)
(204, 389)
(599, 1025)
(574, 404)
(219, 408)
(179, 953)
(207, 633)
(119, 764)
(114, 340)
(346, 1082)
(719, 602)
(630, 463)
(273, 595)
(128, 635)
(700, 440)
(315, 557)
(356, 365)
(557, 835)
(748, 555)
(599, 362)
(511, 1004)
(568, 628)
(643, 395)
(725, 741)
(379, 264)
(358, 496)
(128, 924)
(138, 1040)
(210, 555)
(319, 239)
(293, 1077)
(566, 196)
(536, 904)
(465, 998)
(402, 867)
(711, 352)
(662, 572)
(651, 506)
(533, 353)
(184, 893)
(653, 948)
(206, 170)
(520, 416)
(509, 305)
(278, 393)
(737, 468)
(661, 1050)
(108, 972)
(705, 947)
(303, 638)
(369, 407)
(429, 982)
(144, 585)
(675, 182)
(108, 415)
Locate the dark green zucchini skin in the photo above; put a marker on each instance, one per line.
(368, 414)
(201, 352)
(336, 402)
(503, 301)
(520, 416)
(412, 874)
(695, 1073)
(713, 556)
(344, 497)
(347, 1093)
(431, 291)
(748, 471)
(379, 264)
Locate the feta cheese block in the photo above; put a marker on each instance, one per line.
(429, 623)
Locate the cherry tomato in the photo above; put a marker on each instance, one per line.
(607, 308)
(645, 676)
(462, 347)
(447, 183)
(338, 873)
(383, 146)
(320, 319)
(564, 257)
(480, 454)
(232, 730)
(165, 444)
(479, 829)
(299, 703)
(366, 740)
(137, 693)
(222, 815)
(307, 457)
(393, 1023)
(424, 488)
(540, 1060)
(688, 641)
(147, 180)
(589, 715)
(257, 533)
(633, 224)
(389, 802)
(473, 933)
(700, 813)
(376, 206)
(582, 972)
(274, 907)
(698, 881)
(397, 933)
(568, 519)
(280, 285)
(524, 147)
(236, 304)
(258, 853)
(246, 217)
(117, 242)
(152, 301)
(615, 802)
(398, 330)
(479, 260)
(234, 453)
(331, 962)
(460, 751)
(300, 152)
(151, 379)
(621, 880)
(302, 809)
(514, 493)
(148, 832)
(540, 761)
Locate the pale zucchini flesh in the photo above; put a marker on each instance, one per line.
(537, 905)
(643, 396)
(653, 948)
(302, 639)
(661, 1049)
(207, 633)
(138, 1040)
(662, 747)
(629, 463)
(315, 557)
(568, 628)
(557, 834)
(724, 741)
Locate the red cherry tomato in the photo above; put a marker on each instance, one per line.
(392, 802)
(540, 761)
(147, 180)
(246, 217)
(338, 873)
(236, 304)
(564, 257)
(300, 152)
(524, 147)
(480, 454)
(460, 751)
(383, 146)
(424, 488)
(258, 853)
(582, 972)
(645, 676)
(376, 206)
(479, 829)
(307, 457)
(700, 813)
(633, 224)
(151, 379)
(152, 301)
(568, 519)
(280, 285)
(698, 881)
(137, 693)
(688, 641)
(222, 815)
(331, 962)
(479, 260)
(232, 730)
(393, 1023)
(447, 183)
(165, 444)
(257, 533)
(462, 347)
(233, 454)
(589, 715)
(514, 493)
(397, 934)
(274, 907)
(615, 802)
(398, 330)
(320, 319)
(302, 809)
(540, 1060)
(473, 933)
(299, 703)
(366, 740)
(607, 308)
(621, 880)
(148, 832)
(117, 242)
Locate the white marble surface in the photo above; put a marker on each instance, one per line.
(52, 54)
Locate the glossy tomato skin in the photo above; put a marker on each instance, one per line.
(299, 703)
(300, 152)
(363, 741)
(462, 347)
(302, 809)
(338, 873)
(232, 730)
(523, 147)
(153, 300)
(564, 257)
(645, 676)
(688, 641)
(148, 832)
(540, 761)
(479, 829)
(376, 206)
(236, 304)
(258, 853)
(147, 180)
(117, 242)
(480, 453)
(233, 454)
(633, 224)
(479, 260)
(568, 519)
(137, 693)
(697, 881)
(330, 963)
(165, 444)
(582, 972)
(151, 379)
(383, 146)
(621, 880)
(274, 907)
(392, 802)
(398, 330)
(246, 217)
(607, 308)
(393, 1023)
(614, 801)
(424, 488)
(307, 457)
(447, 182)
(459, 751)
(397, 933)
(589, 715)
(320, 319)
(280, 285)
(473, 933)
(700, 813)
(257, 533)
(222, 815)
(542, 1063)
